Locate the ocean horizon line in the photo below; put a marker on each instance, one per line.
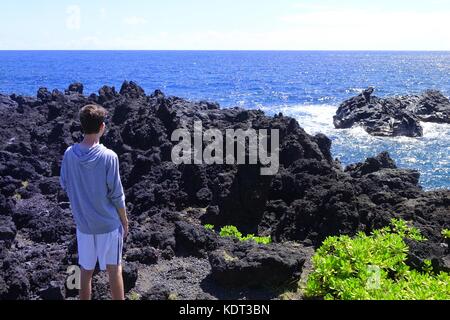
(228, 50)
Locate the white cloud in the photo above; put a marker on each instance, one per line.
(135, 20)
(370, 30)
(363, 18)
(310, 6)
(88, 42)
(103, 13)
(73, 20)
(306, 28)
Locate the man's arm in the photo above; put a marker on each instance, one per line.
(115, 189)
(124, 219)
(115, 192)
(62, 174)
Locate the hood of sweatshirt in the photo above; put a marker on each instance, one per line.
(88, 157)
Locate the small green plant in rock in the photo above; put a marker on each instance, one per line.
(209, 227)
(134, 296)
(260, 240)
(233, 232)
(427, 266)
(403, 229)
(374, 267)
(172, 296)
(230, 231)
(446, 234)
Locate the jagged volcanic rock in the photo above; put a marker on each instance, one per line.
(310, 198)
(399, 116)
(250, 265)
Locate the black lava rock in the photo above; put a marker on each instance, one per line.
(251, 265)
(310, 198)
(398, 116)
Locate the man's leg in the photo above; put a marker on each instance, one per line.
(116, 282)
(86, 284)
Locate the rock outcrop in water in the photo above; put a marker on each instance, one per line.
(169, 252)
(398, 116)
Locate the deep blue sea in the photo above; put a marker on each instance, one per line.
(306, 85)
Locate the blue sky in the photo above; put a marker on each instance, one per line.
(226, 24)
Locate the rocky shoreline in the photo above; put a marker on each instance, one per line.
(169, 254)
(393, 116)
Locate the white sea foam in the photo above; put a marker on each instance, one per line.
(429, 154)
(355, 90)
(319, 118)
(435, 130)
(312, 118)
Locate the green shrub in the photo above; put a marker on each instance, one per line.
(233, 232)
(403, 229)
(260, 240)
(446, 234)
(209, 227)
(374, 266)
(134, 296)
(230, 231)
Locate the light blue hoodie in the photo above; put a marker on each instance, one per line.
(92, 181)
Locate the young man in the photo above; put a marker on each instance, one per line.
(90, 176)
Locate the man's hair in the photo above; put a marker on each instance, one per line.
(91, 117)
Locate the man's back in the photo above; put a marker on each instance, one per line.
(91, 179)
(90, 176)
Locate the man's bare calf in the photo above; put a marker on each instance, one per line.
(115, 283)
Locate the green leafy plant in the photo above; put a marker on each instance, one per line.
(233, 232)
(260, 240)
(446, 234)
(134, 296)
(427, 266)
(403, 229)
(209, 227)
(172, 296)
(230, 231)
(374, 266)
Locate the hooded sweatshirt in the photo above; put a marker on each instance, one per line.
(91, 178)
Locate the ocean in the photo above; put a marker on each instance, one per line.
(306, 85)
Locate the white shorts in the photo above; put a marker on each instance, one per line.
(106, 248)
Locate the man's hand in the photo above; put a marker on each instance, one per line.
(125, 229)
(124, 219)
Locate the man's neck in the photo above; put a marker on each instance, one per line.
(90, 140)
